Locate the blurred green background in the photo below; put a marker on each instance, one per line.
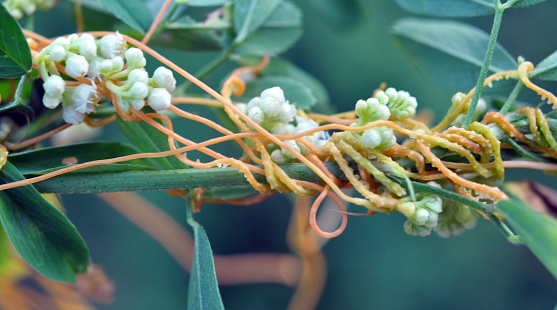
(373, 264)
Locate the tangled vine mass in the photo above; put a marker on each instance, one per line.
(382, 149)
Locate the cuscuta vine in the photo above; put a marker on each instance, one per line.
(479, 140)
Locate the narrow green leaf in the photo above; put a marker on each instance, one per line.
(449, 8)
(52, 158)
(537, 231)
(132, 12)
(294, 91)
(40, 233)
(523, 3)
(15, 54)
(148, 140)
(202, 2)
(249, 15)
(547, 69)
(203, 290)
(449, 53)
(277, 34)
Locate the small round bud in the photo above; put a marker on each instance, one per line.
(256, 114)
(137, 104)
(77, 66)
(254, 102)
(159, 99)
(71, 115)
(292, 144)
(163, 77)
(57, 53)
(111, 46)
(54, 86)
(275, 93)
(278, 157)
(138, 91)
(138, 75)
(287, 113)
(135, 58)
(51, 102)
(87, 46)
(269, 106)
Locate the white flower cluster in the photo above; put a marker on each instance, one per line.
(18, 7)
(274, 113)
(101, 60)
(426, 214)
(455, 219)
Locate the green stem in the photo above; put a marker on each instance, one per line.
(512, 98)
(485, 67)
(523, 151)
(511, 237)
(19, 90)
(219, 60)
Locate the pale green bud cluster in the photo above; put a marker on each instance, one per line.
(371, 110)
(17, 8)
(100, 60)
(400, 103)
(455, 219)
(426, 213)
(274, 113)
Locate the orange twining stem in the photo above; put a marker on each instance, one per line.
(472, 146)
(26, 143)
(313, 215)
(127, 158)
(492, 192)
(217, 127)
(197, 100)
(36, 36)
(157, 21)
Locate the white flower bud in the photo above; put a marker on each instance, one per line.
(254, 102)
(270, 106)
(275, 93)
(287, 113)
(29, 8)
(135, 58)
(282, 129)
(138, 91)
(77, 66)
(109, 67)
(16, 13)
(159, 99)
(51, 102)
(54, 86)
(278, 157)
(71, 115)
(256, 114)
(138, 76)
(111, 45)
(303, 124)
(380, 138)
(137, 104)
(420, 217)
(57, 53)
(163, 77)
(87, 46)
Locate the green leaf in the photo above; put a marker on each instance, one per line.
(338, 12)
(537, 231)
(188, 34)
(277, 34)
(40, 233)
(52, 158)
(449, 53)
(547, 69)
(294, 91)
(523, 3)
(202, 2)
(203, 290)
(249, 15)
(132, 12)
(449, 8)
(15, 54)
(149, 140)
